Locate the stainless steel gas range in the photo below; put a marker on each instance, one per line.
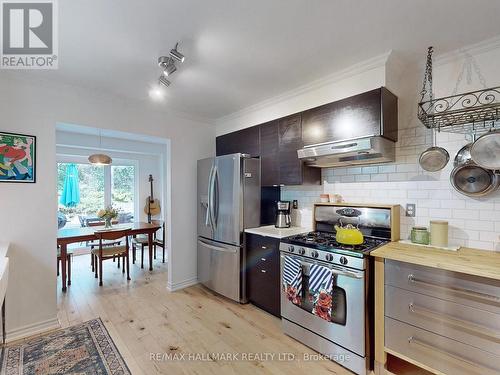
(339, 322)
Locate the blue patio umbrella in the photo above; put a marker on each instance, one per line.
(70, 196)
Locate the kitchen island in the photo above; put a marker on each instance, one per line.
(438, 310)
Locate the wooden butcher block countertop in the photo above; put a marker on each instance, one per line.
(465, 260)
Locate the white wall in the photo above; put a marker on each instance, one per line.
(473, 222)
(359, 78)
(28, 221)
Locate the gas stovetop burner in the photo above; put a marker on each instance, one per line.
(326, 241)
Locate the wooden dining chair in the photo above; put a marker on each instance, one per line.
(69, 254)
(95, 243)
(160, 242)
(103, 252)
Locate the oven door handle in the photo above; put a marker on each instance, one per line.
(336, 271)
(354, 275)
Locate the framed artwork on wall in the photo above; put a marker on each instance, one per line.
(17, 157)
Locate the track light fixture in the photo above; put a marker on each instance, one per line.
(167, 64)
(175, 54)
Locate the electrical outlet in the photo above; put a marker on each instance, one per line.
(411, 209)
(295, 204)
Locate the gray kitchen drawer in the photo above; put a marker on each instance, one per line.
(474, 291)
(475, 327)
(438, 352)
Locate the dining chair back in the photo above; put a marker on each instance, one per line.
(110, 252)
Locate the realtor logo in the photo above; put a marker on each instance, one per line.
(28, 34)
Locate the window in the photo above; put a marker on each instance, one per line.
(122, 188)
(99, 186)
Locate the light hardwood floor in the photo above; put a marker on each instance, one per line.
(144, 318)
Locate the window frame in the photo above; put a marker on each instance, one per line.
(107, 176)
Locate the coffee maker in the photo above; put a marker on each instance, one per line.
(283, 215)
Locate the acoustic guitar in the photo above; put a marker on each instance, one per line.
(152, 206)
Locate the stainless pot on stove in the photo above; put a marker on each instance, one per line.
(470, 179)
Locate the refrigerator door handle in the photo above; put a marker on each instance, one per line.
(211, 197)
(216, 248)
(216, 197)
(208, 219)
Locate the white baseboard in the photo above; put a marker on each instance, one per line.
(172, 287)
(32, 329)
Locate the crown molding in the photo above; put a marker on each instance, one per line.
(473, 49)
(359, 68)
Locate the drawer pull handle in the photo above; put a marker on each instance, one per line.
(263, 259)
(456, 322)
(467, 292)
(263, 271)
(456, 358)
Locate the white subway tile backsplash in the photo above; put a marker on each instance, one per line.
(473, 222)
(347, 179)
(489, 236)
(486, 226)
(465, 214)
(418, 194)
(439, 213)
(489, 214)
(362, 178)
(355, 170)
(368, 170)
(387, 168)
(379, 177)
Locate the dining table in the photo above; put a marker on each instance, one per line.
(66, 236)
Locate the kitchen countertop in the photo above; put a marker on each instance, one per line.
(271, 231)
(465, 260)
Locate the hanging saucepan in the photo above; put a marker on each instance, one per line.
(486, 150)
(469, 178)
(434, 158)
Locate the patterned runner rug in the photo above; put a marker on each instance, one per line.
(85, 348)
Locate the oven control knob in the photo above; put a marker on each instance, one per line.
(291, 249)
(329, 257)
(314, 254)
(302, 251)
(343, 260)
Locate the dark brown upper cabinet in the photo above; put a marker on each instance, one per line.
(290, 140)
(269, 154)
(245, 141)
(371, 113)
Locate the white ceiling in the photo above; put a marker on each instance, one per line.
(241, 52)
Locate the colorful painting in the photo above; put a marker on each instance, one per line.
(17, 157)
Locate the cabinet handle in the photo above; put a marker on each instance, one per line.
(263, 259)
(456, 358)
(456, 322)
(467, 292)
(263, 271)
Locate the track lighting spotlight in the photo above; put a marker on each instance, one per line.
(169, 69)
(175, 54)
(165, 82)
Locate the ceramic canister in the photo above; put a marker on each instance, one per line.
(439, 233)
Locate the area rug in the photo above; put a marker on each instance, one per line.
(85, 348)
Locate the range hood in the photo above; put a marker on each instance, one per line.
(369, 150)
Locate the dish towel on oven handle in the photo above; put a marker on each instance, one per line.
(320, 288)
(292, 280)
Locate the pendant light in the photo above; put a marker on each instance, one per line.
(100, 159)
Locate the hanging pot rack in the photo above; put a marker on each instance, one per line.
(474, 112)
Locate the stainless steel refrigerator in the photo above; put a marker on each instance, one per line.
(228, 202)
